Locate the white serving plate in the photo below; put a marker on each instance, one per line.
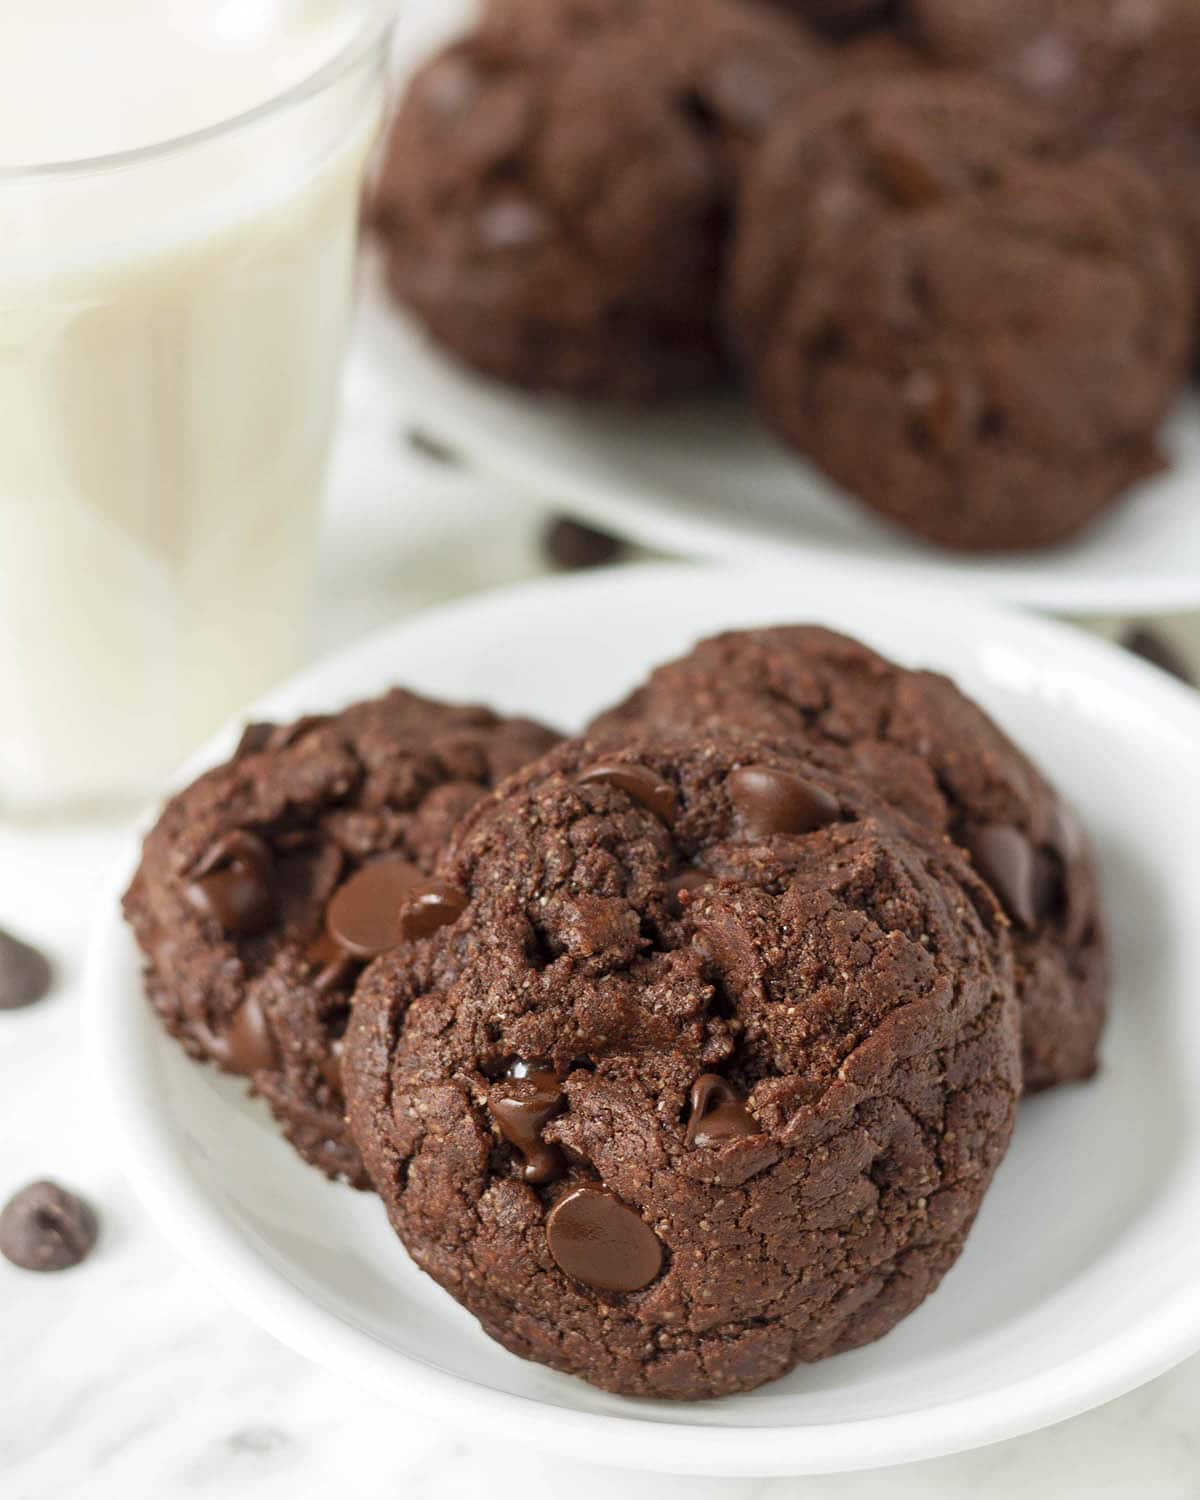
(1081, 1278)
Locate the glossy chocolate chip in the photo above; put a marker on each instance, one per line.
(602, 1242)
(25, 974)
(1005, 859)
(717, 1114)
(639, 782)
(768, 801)
(1154, 647)
(521, 1105)
(246, 1046)
(233, 884)
(46, 1228)
(570, 545)
(365, 915)
(428, 905)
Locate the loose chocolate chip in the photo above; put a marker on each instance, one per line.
(1005, 858)
(601, 1242)
(255, 737)
(521, 1106)
(432, 448)
(570, 545)
(429, 905)
(233, 884)
(1154, 647)
(768, 801)
(638, 782)
(717, 1114)
(25, 974)
(364, 916)
(246, 1046)
(46, 1228)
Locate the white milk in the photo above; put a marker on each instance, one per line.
(171, 331)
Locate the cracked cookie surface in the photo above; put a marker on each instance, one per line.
(706, 1077)
(925, 747)
(229, 903)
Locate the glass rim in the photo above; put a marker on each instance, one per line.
(378, 17)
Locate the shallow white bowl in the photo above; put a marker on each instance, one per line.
(1082, 1276)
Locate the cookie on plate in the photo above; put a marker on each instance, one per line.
(928, 749)
(267, 884)
(1115, 73)
(707, 1073)
(976, 334)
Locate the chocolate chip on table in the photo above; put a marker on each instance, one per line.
(25, 974)
(1006, 860)
(602, 1242)
(1155, 648)
(46, 1228)
(233, 885)
(571, 545)
(521, 1105)
(638, 782)
(432, 448)
(717, 1114)
(364, 916)
(768, 801)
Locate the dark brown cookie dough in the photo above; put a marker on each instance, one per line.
(1116, 74)
(842, 18)
(928, 749)
(229, 903)
(708, 1076)
(976, 335)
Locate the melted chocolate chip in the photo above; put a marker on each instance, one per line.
(638, 782)
(521, 1106)
(1005, 858)
(429, 905)
(717, 1114)
(46, 1228)
(25, 974)
(335, 968)
(233, 884)
(365, 915)
(768, 801)
(602, 1242)
(246, 1046)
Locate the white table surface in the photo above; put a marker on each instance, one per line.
(129, 1378)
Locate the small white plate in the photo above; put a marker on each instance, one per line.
(1081, 1278)
(704, 479)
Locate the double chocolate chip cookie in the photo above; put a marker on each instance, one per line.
(269, 883)
(1115, 72)
(965, 322)
(929, 750)
(706, 1072)
(553, 204)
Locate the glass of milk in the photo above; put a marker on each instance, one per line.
(179, 198)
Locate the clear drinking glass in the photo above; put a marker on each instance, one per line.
(172, 324)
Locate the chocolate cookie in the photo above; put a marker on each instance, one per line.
(707, 1075)
(1116, 73)
(268, 883)
(842, 18)
(930, 750)
(917, 261)
(542, 173)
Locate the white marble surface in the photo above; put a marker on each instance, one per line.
(129, 1378)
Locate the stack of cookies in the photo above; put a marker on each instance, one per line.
(680, 1052)
(950, 247)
